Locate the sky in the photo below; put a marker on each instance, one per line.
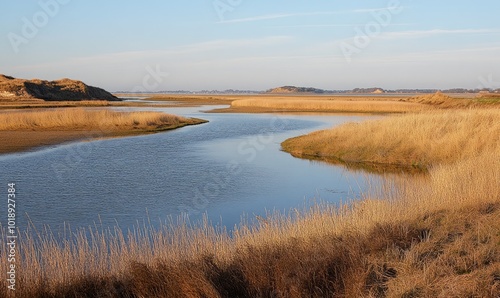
(195, 45)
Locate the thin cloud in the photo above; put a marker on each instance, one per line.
(118, 58)
(291, 15)
(434, 32)
(280, 16)
(365, 10)
(258, 18)
(480, 53)
(332, 25)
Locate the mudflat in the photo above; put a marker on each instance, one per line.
(15, 141)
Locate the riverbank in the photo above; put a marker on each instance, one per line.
(432, 236)
(23, 130)
(435, 237)
(418, 140)
(338, 105)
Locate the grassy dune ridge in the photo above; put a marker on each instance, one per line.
(419, 139)
(437, 236)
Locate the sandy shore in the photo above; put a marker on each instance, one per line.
(16, 141)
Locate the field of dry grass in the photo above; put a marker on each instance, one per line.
(21, 130)
(390, 103)
(71, 119)
(421, 139)
(326, 105)
(435, 237)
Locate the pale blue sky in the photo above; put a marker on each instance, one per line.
(243, 44)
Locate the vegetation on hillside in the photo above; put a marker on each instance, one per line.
(65, 89)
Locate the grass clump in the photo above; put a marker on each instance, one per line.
(326, 105)
(79, 118)
(420, 139)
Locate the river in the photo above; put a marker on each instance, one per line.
(227, 168)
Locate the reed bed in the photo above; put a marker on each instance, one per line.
(325, 105)
(421, 139)
(437, 236)
(80, 118)
(423, 237)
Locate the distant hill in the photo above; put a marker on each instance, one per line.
(65, 89)
(293, 89)
(374, 90)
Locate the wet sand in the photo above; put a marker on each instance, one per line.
(17, 141)
(23, 140)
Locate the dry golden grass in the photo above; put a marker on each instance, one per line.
(39, 103)
(415, 139)
(326, 105)
(390, 103)
(443, 101)
(436, 236)
(21, 130)
(79, 118)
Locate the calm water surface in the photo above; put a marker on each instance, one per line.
(226, 168)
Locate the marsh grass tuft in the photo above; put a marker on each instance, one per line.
(421, 139)
(80, 118)
(326, 105)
